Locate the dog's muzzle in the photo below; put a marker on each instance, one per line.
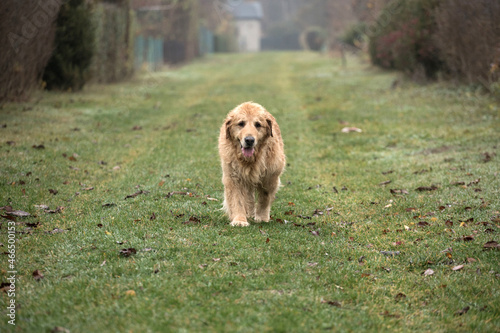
(247, 148)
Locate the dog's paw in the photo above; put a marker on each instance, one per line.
(236, 223)
(261, 218)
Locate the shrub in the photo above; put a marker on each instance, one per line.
(354, 35)
(313, 38)
(468, 37)
(402, 37)
(113, 55)
(27, 30)
(74, 46)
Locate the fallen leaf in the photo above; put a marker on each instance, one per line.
(192, 220)
(312, 264)
(351, 129)
(54, 211)
(315, 233)
(6, 287)
(463, 311)
(216, 259)
(267, 240)
(399, 297)
(136, 194)
(38, 146)
(398, 191)
(128, 252)
(103, 263)
(423, 224)
(457, 268)
(468, 238)
(56, 231)
(428, 272)
(37, 275)
(471, 260)
(426, 188)
(176, 193)
(317, 212)
(390, 253)
(474, 182)
(18, 213)
(33, 224)
(487, 156)
(130, 293)
(385, 182)
(389, 315)
(332, 303)
(161, 183)
(491, 245)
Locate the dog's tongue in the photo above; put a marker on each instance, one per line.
(247, 152)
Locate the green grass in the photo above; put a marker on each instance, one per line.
(276, 277)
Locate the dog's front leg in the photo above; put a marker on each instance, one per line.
(266, 197)
(235, 203)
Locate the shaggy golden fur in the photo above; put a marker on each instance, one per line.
(252, 157)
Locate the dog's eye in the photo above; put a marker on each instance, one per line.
(258, 125)
(241, 124)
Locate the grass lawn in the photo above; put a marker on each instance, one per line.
(133, 167)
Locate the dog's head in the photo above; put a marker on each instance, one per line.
(249, 125)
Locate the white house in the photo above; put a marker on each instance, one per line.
(248, 16)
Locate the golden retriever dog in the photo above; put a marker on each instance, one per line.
(252, 157)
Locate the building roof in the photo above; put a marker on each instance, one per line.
(248, 11)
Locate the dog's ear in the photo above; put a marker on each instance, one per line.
(269, 127)
(228, 131)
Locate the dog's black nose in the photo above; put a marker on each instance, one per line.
(249, 141)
